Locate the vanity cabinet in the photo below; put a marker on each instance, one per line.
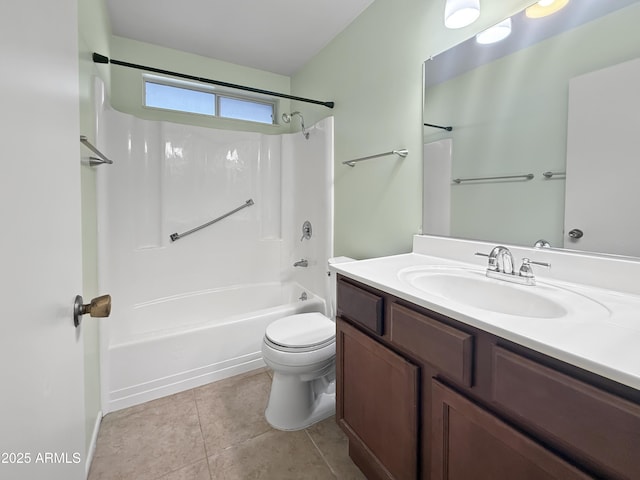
(381, 422)
(424, 396)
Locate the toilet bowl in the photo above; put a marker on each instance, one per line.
(301, 351)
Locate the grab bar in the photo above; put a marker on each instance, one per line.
(93, 161)
(178, 236)
(402, 153)
(527, 176)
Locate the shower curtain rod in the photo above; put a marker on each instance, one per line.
(97, 58)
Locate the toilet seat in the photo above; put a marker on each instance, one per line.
(301, 332)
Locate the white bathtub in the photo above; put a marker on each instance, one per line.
(182, 342)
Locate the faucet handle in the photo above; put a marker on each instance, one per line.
(526, 270)
(493, 263)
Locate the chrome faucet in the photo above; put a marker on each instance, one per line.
(501, 260)
(501, 267)
(301, 263)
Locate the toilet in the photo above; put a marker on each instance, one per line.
(301, 351)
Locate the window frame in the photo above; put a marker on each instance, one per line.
(217, 92)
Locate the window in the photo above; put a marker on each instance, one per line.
(179, 98)
(168, 94)
(244, 109)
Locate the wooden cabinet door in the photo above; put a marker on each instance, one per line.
(377, 405)
(470, 443)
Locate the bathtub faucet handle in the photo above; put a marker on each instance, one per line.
(301, 263)
(307, 230)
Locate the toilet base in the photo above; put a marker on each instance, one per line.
(295, 404)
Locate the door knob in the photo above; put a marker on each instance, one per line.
(98, 307)
(576, 233)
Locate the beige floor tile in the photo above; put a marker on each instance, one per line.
(165, 439)
(232, 410)
(334, 447)
(149, 440)
(197, 471)
(186, 396)
(273, 455)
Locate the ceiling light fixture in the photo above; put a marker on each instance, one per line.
(496, 33)
(460, 13)
(545, 7)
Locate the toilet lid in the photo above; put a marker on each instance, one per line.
(301, 330)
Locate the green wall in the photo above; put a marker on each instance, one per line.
(373, 71)
(127, 88)
(93, 35)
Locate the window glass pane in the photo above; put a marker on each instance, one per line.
(246, 110)
(182, 99)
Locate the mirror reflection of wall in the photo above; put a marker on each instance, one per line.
(510, 115)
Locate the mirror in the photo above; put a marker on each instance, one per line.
(512, 113)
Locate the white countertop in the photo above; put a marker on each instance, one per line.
(607, 344)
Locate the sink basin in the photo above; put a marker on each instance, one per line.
(472, 288)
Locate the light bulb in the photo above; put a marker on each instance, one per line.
(545, 7)
(460, 13)
(496, 33)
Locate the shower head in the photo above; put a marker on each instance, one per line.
(286, 118)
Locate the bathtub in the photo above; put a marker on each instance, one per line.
(181, 342)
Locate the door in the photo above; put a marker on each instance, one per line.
(603, 161)
(41, 352)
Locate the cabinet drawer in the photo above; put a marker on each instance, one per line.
(600, 428)
(446, 348)
(360, 306)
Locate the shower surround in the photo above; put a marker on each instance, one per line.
(194, 310)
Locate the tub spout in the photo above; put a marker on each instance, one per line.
(301, 263)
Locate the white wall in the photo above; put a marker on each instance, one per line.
(170, 178)
(307, 172)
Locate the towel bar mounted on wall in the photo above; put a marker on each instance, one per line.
(94, 161)
(401, 153)
(448, 129)
(526, 176)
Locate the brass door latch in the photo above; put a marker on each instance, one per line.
(98, 307)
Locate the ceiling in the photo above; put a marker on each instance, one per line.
(277, 36)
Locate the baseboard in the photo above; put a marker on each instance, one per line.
(178, 383)
(92, 445)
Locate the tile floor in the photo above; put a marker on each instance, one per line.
(217, 432)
